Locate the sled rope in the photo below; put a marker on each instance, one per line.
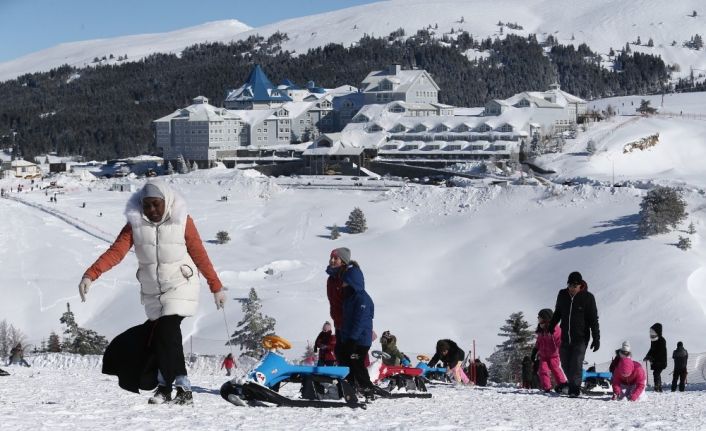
(225, 320)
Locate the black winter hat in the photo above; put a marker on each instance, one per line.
(657, 328)
(574, 278)
(442, 345)
(545, 314)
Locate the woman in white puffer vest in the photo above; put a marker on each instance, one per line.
(170, 255)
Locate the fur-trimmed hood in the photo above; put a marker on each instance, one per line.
(175, 211)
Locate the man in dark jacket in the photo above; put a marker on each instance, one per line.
(681, 357)
(657, 355)
(448, 352)
(576, 310)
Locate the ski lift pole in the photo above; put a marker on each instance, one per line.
(473, 365)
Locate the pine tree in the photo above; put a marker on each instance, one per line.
(54, 343)
(650, 43)
(661, 208)
(309, 356)
(684, 242)
(691, 230)
(335, 234)
(638, 42)
(80, 340)
(182, 167)
(356, 221)
(591, 146)
(194, 166)
(222, 237)
(170, 168)
(506, 361)
(253, 327)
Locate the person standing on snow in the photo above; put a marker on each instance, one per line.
(228, 363)
(681, 357)
(657, 355)
(448, 352)
(337, 265)
(169, 252)
(576, 310)
(547, 345)
(628, 378)
(325, 344)
(355, 335)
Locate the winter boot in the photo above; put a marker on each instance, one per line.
(161, 395)
(182, 397)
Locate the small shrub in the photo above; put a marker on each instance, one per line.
(684, 243)
(222, 237)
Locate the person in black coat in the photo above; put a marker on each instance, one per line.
(681, 357)
(448, 352)
(527, 372)
(576, 310)
(481, 373)
(452, 356)
(657, 355)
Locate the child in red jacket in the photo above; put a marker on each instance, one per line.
(547, 346)
(325, 344)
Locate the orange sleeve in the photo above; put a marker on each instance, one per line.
(113, 255)
(197, 251)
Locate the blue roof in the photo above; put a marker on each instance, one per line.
(259, 88)
(290, 85)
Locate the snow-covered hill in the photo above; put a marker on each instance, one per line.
(133, 48)
(601, 24)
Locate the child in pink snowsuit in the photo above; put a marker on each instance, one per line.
(547, 346)
(628, 380)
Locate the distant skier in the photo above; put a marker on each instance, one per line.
(325, 345)
(356, 333)
(681, 357)
(576, 310)
(548, 344)
(170, 257)
(448, 352)
(389, 346)
(628, 379)
(228, 363)
(657, 355)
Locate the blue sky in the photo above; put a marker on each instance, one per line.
(31, 25)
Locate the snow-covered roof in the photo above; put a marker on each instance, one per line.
(201, 110)
(335, 145)
(402, 79)
(20, 163)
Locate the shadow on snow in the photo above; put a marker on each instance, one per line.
(617, 230)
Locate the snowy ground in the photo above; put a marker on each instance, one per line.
(80, 398)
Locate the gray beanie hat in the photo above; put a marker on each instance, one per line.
(151, 191)
(342, 253)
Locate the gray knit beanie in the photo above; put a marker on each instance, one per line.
(342, 253)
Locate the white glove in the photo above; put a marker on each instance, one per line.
(220, 298)
(83, 288)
